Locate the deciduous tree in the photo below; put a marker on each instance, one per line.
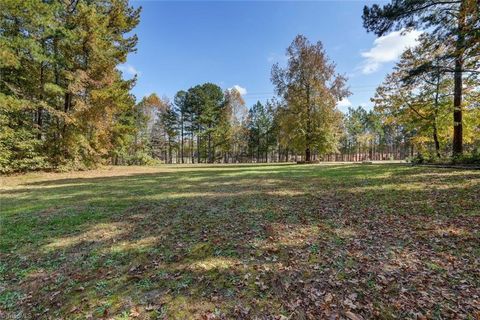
(311, 88)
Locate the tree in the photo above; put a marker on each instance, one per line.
(169, 121)
(356, 126)
(260, 125)
(237, 111)
(421, 72)
(456, 21)
(223, 134)
(147, 112)
(255, 129)
(205, 102)
(311, 88)
(180, 101)
(59, 84)
(128, 145)
(269, 127)
(158, 135)
(417, 96)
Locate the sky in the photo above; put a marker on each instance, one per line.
(235, 43)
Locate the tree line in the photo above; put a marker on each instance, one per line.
(64, 103)
(441, 73)
(205, 124)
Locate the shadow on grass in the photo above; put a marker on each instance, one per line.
(245, 240)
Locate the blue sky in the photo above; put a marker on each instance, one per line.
(229, 43)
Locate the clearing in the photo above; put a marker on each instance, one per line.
(242, 242)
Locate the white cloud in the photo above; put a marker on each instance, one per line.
(128, 69)
(275, 57)
(387, 49)
(344, 103)
(240, 89)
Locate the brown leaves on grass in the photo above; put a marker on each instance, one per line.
(391, 243)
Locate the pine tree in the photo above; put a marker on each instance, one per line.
(447, 21)
(180, 102)
(205, 103)
(58, 73)
(169, 121)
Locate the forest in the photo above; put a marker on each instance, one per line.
(65, 105)
(160, 189)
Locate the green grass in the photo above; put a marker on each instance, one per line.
(241, 241)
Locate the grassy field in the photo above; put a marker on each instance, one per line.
(241, 242)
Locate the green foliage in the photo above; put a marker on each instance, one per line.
(61, 95)
(310, 88)
(469, 158)
(416, 97)
(261, 130)
(64, 104)
(421, 158)
(472, 158)
(205, 104)
(452, 25)
(19, 147)
(8, 299)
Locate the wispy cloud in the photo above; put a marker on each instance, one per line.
(344, 104)
(128, 69)
(240, 89)
(275, 57)
(388, 48)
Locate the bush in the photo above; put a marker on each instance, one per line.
(418, 159)
(19, 151)
(472, 158)
(421, 158)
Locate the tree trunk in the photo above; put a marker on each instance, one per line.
(191, 149)
(40, 109)
(457, 147)
(266, 147)
(258, 148)
(181, 145)
(209, 145)
(435, 130)
(307, 154)
(435, 139)
(198, 148)
(169, 152)
(457, 110)
(66, 108)
(309, 129)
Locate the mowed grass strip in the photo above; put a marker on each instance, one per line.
(241, 241)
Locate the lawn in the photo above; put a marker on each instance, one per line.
(241, 242)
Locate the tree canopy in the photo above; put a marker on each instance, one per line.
(311, 89)
(451, 23)
(64, 104)
(62, 100)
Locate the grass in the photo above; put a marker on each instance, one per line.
(241, 241)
